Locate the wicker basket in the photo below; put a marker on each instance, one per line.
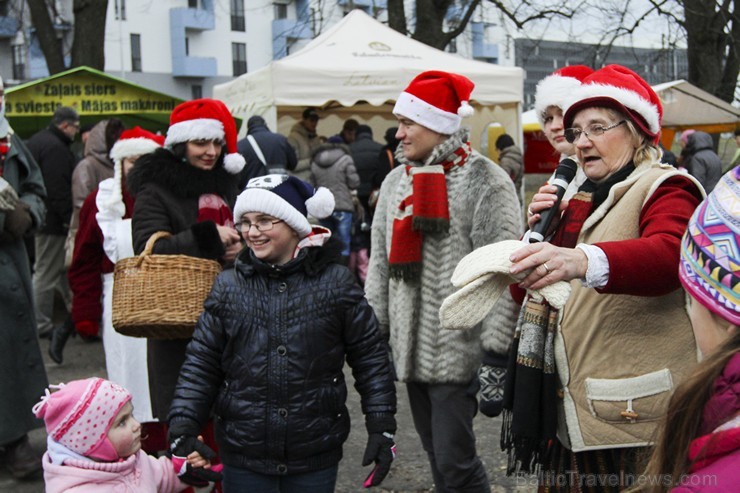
(160, 296)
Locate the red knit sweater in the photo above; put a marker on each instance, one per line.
(663, 221)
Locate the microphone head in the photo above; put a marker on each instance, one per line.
(566, 170)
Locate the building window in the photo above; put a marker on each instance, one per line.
(120, 6)
(187, 46)
(196, 91)
(136, 52)
(19, 62)
(239, 58)
(237, 15)
(4, 8)
(193, 4)
(452, 46)
(281, 11)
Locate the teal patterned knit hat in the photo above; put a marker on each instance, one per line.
(710, 250)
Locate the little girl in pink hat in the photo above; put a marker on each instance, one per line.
(94, 443)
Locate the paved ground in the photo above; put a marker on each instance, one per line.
(410, 472)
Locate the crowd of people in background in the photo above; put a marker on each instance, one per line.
(342, 249)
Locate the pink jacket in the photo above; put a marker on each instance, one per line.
(140, 473)
(715, 455)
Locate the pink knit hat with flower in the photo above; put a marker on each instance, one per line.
(80, 414)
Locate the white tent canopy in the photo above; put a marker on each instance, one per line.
(358, 68)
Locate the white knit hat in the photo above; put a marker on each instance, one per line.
(285, 197)
(482, 276)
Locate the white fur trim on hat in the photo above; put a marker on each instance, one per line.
(132, 147)
(268, 202)
(197, 129)
(552, 91)
(624, 97)
(321, 205)
(234, 163)
(425, 114)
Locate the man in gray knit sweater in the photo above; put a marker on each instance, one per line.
(443, 201)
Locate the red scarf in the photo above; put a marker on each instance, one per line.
(4, 148)
(212, 207)
(424, 210)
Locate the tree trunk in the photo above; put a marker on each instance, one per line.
(397, 16)
(51, 46)
(430, 15)
(710, 37)
(88, 47)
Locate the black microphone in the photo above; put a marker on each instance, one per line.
(564, 174)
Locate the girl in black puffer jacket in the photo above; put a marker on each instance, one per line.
(268, 352)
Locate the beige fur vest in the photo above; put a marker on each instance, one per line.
(619, 357)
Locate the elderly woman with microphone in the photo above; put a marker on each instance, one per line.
(623, 338)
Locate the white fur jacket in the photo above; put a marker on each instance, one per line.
(484, 209)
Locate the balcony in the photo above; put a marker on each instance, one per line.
(183, 20)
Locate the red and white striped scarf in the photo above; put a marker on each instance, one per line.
(425, 209)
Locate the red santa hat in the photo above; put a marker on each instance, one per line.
(553, 89)
(206, 119)
(132, 142)
(621, 89)
(436, 100)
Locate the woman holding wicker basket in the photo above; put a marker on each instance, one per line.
(187, 189)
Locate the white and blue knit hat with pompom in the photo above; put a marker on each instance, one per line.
(285, 197)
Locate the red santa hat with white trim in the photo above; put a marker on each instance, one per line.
(556, 87)
(206, 119)
(133, 142)
(436, 100)
(621, 89)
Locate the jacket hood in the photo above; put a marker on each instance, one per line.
(310, 260)
(298, 128)
(329, 153)
(95, 146)
(511, 151)
(167, 171)
(699, 141)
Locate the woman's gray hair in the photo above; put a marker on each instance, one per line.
(645, 151)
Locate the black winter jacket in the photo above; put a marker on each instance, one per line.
(365, 153)
(274, 146)
(167, 191)
(269, 351)
(50, 148)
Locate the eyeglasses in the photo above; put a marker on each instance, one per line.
(595, 130)
(261, 225)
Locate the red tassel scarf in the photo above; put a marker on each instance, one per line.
(424, 210)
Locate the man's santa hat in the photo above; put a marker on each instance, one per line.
(206, 119)
(132, 143)
(556, 87)
(621, 89)
(436, 100)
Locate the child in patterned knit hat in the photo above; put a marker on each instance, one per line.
(704, 454)
(268, 352)
(94, 443)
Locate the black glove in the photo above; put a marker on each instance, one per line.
(183, 446)
(380, 448)
(491, 377)
(19, 220)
